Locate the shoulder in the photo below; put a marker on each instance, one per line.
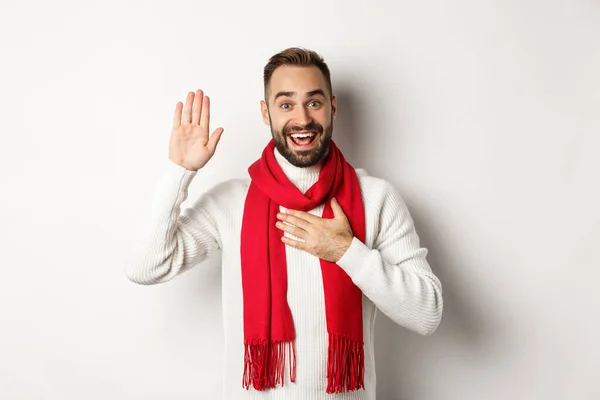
(229, 188)
(223, 196)
(377, 190)
(386, 213)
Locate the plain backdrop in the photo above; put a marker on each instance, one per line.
(484, 114)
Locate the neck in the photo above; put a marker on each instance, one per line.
(302, 177)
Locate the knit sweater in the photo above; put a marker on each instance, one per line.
(390, 268)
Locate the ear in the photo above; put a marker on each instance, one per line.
(333, 106)
(264, 110)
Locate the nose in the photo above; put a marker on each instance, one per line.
(303, 116)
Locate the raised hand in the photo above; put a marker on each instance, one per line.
(190, 145)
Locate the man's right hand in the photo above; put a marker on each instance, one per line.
(190, 145)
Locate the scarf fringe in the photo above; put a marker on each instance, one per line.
(345, 365)
(264, 363)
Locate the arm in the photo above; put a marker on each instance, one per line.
(169, 241)
(395, 274)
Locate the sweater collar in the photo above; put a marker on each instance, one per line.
(302, 178)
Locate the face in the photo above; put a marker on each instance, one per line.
(300, 112)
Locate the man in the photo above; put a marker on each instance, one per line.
(310, 246)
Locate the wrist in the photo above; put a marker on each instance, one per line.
(344, 247)
(183, 165)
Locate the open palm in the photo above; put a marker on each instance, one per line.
(190, 144)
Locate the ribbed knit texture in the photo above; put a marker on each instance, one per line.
(390, 269)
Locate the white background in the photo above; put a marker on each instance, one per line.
(484, 114)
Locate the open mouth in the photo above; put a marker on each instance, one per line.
(303, 139)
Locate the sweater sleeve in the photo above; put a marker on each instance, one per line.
(395, 274)
(169, 241)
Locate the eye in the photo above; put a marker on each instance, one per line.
(315, 103)
(285, 106)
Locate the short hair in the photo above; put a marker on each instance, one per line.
(296, 56)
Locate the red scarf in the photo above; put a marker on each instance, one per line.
(268, 324)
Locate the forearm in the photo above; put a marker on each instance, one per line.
(407, 292)
(170, 242)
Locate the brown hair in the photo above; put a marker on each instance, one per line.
(299, 57)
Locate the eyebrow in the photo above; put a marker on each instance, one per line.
(292, 94)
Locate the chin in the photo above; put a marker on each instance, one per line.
(305, 158)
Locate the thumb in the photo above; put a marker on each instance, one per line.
(214, 140)
(338, 212)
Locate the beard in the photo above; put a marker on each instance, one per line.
(303, 158)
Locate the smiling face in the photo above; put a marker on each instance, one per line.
(300, 112)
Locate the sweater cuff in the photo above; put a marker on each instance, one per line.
(355, 258)
(175, 173)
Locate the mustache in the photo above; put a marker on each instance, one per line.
(313, 126)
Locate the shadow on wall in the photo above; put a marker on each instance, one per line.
(345, 132)
(404, 358)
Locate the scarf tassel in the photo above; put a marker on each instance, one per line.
(264, 363)
(345, 367)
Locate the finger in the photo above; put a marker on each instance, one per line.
(205, 116)
(303, 215)
(214, 140)
(197, 107)
(294, 243)
(294, 230)
(338, 211)
(296, 221)
(187, 111)
(177, 115)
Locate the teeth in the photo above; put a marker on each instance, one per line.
(302, 135)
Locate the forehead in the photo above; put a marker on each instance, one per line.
(291, 78)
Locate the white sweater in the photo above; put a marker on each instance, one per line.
(390, 269)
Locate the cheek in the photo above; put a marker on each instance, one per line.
(323, 117)
(279, 122)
